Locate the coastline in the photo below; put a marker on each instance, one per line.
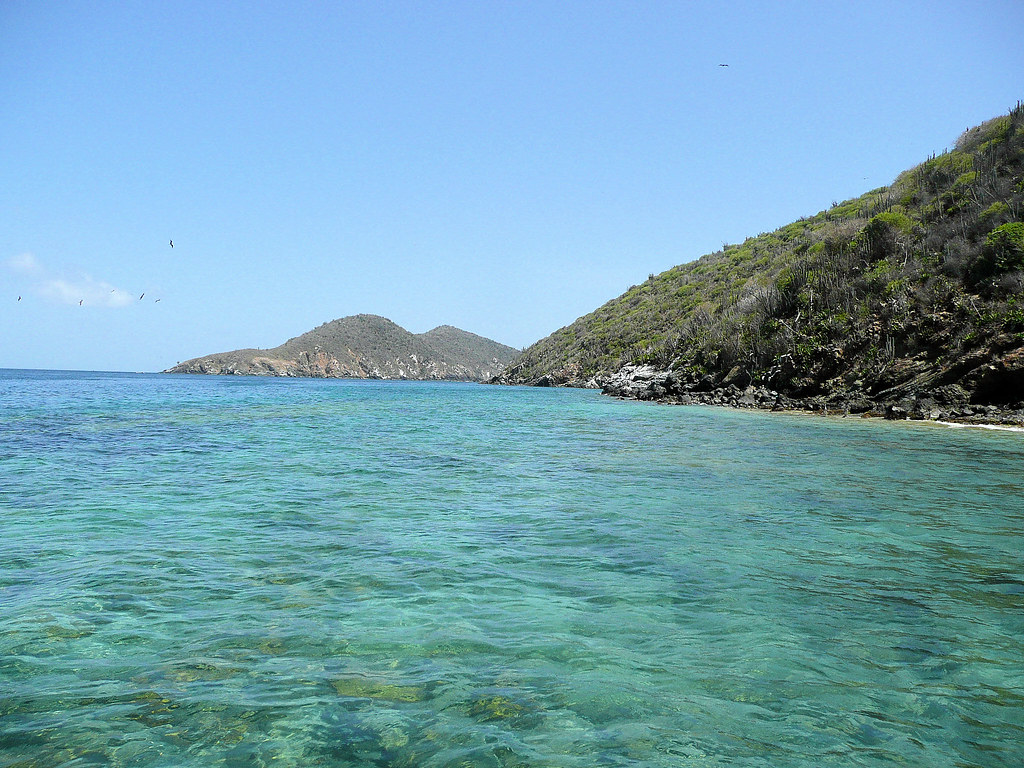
(1011, 424)
(646, 383)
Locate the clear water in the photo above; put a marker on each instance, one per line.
(201, 571)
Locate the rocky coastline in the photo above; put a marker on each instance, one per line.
(645, 382)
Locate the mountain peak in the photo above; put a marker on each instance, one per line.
(366, 346)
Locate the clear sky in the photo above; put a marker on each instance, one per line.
(504, 167)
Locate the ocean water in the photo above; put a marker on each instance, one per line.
(235, 571)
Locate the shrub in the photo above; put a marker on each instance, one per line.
(883, 233)
(996, 212)
(1004, 248)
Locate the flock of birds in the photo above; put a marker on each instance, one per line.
(156, 301)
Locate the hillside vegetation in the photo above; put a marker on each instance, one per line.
(911, 288)
(366, 346)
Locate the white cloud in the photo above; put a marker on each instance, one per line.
(24, 264)
(85, 290)
(81, 289)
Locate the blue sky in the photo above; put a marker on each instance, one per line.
(504, 167)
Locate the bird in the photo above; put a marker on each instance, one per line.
(172, 243)
(156, 301)
(80, 302)
(723, 65)
(19, 298)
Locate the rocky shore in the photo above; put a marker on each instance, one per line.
(948, 404)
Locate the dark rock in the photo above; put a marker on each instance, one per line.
(737, 377)
(950, 394)
(706, 383)
(895, 412)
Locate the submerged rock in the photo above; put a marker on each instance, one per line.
(496, 707)
(360, 687)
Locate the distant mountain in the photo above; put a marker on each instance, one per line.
(366, 347)
(906, 300)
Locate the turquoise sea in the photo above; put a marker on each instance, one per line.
(235, 571)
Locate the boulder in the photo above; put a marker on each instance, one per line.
(737, 377)
(705, 383)
(747, 400)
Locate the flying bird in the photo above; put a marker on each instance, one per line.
(80, 302)
(143, 294)
(172, 243)
(19, 298)
(156, 301)
(723, 65)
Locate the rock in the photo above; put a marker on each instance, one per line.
(641, 372)
(917, 394)
(950, 394)
(749, 398)
(737, 376)
(895, 412)
(638, 382)
(706, 383)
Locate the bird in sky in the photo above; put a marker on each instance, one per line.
(172, 243)
(80, 302)
(143, 294)
(157, 301)
(19, 298)
(723, 65)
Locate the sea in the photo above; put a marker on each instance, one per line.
(245, 571)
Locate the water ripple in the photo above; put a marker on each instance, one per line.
(213, 571)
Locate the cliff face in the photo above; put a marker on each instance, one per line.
(906, 300)
(366, 347)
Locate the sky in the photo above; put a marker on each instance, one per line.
(504, 167)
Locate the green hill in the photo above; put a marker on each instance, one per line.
(909, 292)
(366, 346)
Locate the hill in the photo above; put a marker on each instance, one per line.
(366, 347)
(905, 300)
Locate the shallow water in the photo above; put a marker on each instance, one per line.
(240, 571)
